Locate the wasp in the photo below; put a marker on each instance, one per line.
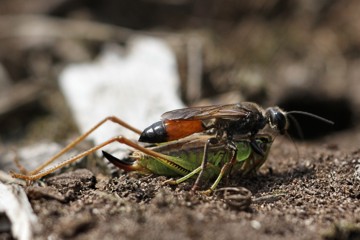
(225, 121)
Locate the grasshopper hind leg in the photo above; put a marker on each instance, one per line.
(119, 139)
(184, 178)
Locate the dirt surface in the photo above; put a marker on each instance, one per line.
(302, 56)
(312, 194)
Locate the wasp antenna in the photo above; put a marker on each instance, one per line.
(312, 115)
(297, 126)
(292, 140)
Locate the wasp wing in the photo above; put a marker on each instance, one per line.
(229, 111)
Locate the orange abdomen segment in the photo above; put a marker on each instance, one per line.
(177, 129)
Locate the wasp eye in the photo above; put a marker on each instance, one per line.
(277, 119)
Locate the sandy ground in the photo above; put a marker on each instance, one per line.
(308, 190)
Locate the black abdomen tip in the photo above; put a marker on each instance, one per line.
(155, 133)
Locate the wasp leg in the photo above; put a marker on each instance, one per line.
(81, 138)
(119, 139)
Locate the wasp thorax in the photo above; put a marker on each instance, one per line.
(277, 119)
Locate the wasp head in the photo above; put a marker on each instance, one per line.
(277, 119)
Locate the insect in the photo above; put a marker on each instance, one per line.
(225, 121)
(224, 126)
(184, 158)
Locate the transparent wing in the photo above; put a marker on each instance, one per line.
(229, 111)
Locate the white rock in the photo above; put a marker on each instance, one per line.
(136, 86)
(14, 203)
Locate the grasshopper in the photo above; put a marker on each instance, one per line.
(183, 157)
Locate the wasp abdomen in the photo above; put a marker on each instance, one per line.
(177, 129)
(155, 133)
(168, 130)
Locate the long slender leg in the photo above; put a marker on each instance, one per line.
(81, 138)
(184, 178)
(20, 167)
(223, 170)
(189, 175)
(119, 139)
(203, 163)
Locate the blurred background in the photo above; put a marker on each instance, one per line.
(299, 55)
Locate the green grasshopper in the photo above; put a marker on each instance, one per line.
(183, 157)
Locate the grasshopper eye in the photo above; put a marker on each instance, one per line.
(262, 143)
